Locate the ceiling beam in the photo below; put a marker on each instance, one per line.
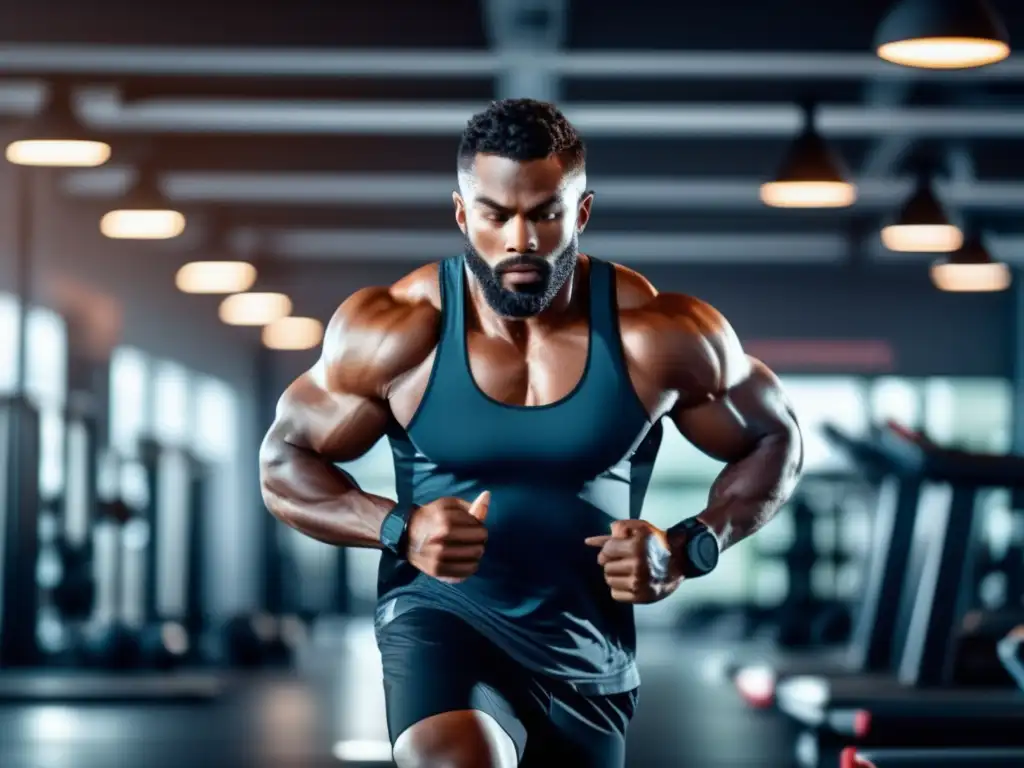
(1006, 247)
(103, 110)
(434, 190)
(883, 158)
(621, 247)
(129, 61)
(624, 247)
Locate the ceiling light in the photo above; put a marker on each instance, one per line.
(254, 308)
(811, 176)
(922, 225)
(942, 34)
(293, 333)
(55, 138)
(146, 214)
(215, 277)
(971, 269)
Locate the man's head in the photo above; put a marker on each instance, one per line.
(522, 203)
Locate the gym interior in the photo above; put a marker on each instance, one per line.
(841, 179)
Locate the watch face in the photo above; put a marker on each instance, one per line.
(704, 551)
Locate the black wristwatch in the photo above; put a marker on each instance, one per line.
(701, 549)
(393, 530)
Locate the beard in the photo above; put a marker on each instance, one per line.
(526, 299)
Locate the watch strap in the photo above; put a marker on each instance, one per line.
(393, 530)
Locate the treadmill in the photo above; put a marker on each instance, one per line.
(1011, 654)
(884, 457)
(917, 704)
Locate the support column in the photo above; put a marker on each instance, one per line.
(519, 30)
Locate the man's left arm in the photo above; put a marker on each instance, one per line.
(747, 423)
(732, 408)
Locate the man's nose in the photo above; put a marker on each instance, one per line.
(521, 236)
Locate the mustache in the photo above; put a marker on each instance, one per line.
(522, 260)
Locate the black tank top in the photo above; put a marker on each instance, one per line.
(557, 474)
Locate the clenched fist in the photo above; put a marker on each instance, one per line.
(445, 538)
(638, 564)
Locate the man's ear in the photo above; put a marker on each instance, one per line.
(460, 211)
(583, 214)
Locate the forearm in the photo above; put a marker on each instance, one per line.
(749, 492)
(311, 495)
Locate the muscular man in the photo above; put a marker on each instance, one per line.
(522, 386)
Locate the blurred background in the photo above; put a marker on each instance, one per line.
(191, 189)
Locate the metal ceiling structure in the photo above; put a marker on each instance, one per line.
(334, 129)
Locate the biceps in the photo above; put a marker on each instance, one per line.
(731, 426)
(338, 426)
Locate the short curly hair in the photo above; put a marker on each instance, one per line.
(522, 130)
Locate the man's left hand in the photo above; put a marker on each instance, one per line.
(638, 564)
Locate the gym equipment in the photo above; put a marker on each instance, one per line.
(111, 642)
(880, 457)
(73, 596)
(173, 624)
(932, 758)
(1011, 654)
(805, 619)
(917, 704)
(106, 642)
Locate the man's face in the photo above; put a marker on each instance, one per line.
(522, 221)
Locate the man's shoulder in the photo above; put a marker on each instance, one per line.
(416, 296)
(634, 292)
(423, 284)
(390, 328)
(646, 309)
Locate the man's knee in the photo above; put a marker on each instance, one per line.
(464, 739)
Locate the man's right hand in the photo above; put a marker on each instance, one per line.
(445, 538)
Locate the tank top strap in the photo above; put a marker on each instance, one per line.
(604, 313)
(450, 280)
(451, 366)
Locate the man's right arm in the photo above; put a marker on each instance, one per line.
(335, 413)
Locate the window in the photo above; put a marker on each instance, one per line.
(826, 400)
(170, 405)
(215, 419)
(128, 399)
(46, 383)
(899, 400)
(679, 460)
(46, 370)
(972, 414)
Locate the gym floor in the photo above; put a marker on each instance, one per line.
(333, 708)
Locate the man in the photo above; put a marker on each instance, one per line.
(522, 387)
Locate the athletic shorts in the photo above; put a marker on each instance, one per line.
(434, 662)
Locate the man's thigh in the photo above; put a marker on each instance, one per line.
(435, 663)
